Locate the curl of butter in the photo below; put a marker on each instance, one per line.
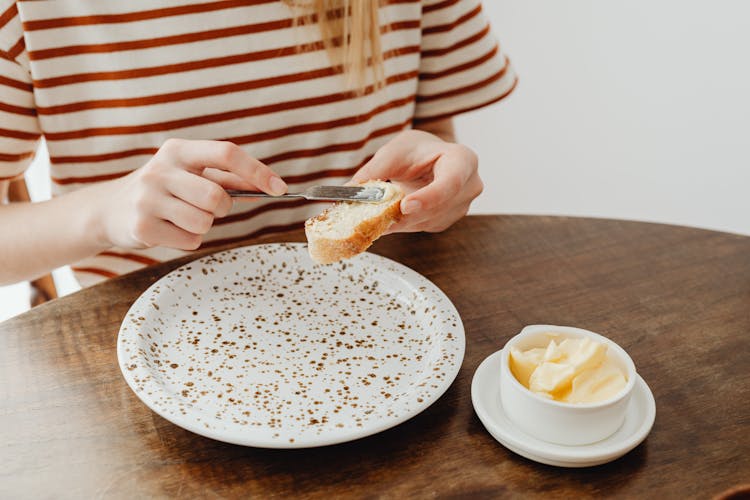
(577, 370)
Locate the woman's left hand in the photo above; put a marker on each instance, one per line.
(439, 178)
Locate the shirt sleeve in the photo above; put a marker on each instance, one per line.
(462, 65)
(19, 126)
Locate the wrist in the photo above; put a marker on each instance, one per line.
(92, 224)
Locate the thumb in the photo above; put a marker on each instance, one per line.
(375, 168)
(388, 161)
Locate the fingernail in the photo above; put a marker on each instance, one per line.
(411, 206)
(277, 186)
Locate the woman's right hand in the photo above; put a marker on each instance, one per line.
(173, 199)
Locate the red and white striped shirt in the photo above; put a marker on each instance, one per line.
(106, 83)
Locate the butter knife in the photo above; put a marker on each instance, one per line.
(370, 194)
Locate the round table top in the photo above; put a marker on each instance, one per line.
(677, 299)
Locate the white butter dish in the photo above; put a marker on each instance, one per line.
(554, 433)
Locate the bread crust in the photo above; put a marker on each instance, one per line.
(327, 250)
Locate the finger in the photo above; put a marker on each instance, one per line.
(222, 155)
(162, 233)
(199, 192)
(374, 168)
(410, 223)
(405, 156)
(228, 180)
(451, 173)
(431, 197)
(394, 164)
(384, 164)
(184, 215)
(398, 227)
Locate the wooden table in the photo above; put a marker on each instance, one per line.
(677, 299)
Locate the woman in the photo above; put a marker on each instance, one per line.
(150, 111)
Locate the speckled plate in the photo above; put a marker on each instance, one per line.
(258, 346)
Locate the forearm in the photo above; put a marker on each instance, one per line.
(441, 128)
(38, 237)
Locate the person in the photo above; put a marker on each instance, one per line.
(151, 111)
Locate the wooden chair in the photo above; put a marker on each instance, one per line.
(43, 288)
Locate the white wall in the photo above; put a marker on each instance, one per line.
(636, 109)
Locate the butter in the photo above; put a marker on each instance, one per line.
(577, 370)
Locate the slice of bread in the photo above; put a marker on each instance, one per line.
(348, 228)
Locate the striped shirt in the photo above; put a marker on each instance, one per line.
(107, 82)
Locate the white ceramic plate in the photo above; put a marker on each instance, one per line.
(258, 346)
(485, 396)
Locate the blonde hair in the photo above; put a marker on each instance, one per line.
(348, 29)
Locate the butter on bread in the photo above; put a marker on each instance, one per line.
(348, 228)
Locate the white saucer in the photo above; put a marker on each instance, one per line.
(485, 396)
